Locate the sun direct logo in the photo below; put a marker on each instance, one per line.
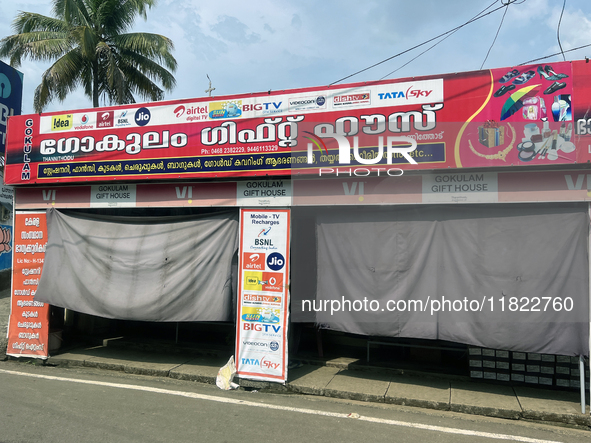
(260, 314)
(229, 109)
(253, 260)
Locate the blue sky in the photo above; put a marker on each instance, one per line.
(264, 45)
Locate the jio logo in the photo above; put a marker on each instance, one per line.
(275, 261)
(142, 117)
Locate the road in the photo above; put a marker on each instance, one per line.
(50, 404)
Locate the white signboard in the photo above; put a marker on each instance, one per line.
(115, 195)
(261, 333)
(464, 187)
(264, 193)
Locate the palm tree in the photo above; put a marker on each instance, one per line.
(87, 40)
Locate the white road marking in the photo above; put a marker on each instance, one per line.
(286, 408)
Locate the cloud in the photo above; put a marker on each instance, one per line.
(233, 30)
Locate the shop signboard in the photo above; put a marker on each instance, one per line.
(11, 92)
(529, 116)
(263, 295)
(28, 327)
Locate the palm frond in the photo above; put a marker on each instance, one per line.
(87, 40)
(154, 46)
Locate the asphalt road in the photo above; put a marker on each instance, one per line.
(49, 404)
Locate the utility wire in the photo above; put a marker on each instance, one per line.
(440, 41)
(424, 43)
(558, 30)
(552, 55)
(496, 35)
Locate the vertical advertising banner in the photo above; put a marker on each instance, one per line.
(11, 97)
(28, 328)
(263, 295)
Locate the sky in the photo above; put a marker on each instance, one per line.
(263, 45)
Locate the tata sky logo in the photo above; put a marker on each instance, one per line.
(142, 117)
(275, 261)
(263, 363)
(410, 93)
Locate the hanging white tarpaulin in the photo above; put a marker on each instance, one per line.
(262, 311)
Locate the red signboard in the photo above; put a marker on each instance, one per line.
(28, 329)
(532, 115)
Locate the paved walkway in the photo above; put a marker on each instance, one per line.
(344, 378)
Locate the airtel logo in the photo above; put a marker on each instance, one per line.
(179, 111)
(105, 120)
(254, 257)
(190, 111)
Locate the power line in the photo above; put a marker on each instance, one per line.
(552, 55)
(440, 41)
(496, 35)
(425, 42)
(558, 30)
